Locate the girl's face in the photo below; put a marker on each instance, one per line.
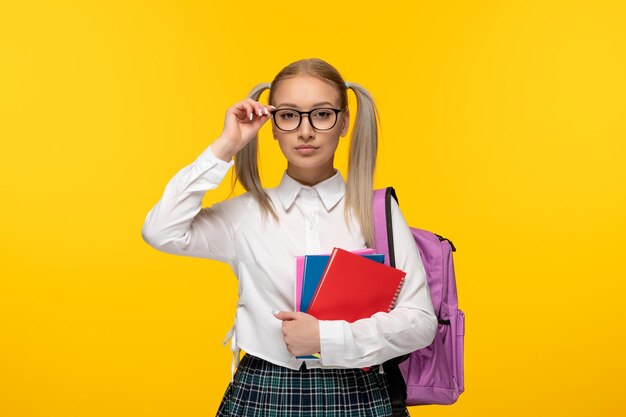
(315, 162)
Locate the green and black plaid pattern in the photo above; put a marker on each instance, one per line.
(263, 389)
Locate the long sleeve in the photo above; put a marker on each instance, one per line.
(177, 224)
(410, 326)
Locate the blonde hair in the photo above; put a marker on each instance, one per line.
(363, 146)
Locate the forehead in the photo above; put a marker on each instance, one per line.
(304, 91)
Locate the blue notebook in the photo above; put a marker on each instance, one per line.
(314, 266)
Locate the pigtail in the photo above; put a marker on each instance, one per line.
(362, 163)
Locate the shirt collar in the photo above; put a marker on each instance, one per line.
(330, 190)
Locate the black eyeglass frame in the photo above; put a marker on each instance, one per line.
(308, 114)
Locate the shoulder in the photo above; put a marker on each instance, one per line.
(245, 205)
(395, 209)
(234, 209)
(398, 220)
(236, 203)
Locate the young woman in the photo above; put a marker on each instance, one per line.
(260, 232)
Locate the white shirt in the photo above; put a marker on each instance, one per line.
(262, 256)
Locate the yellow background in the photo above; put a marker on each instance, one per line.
(502, 129)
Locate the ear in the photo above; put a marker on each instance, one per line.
(345, 123)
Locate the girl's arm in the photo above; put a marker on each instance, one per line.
(178, 225)
(410, 326)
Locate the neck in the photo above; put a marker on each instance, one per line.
(310, 176)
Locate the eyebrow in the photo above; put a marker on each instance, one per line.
(296, 106)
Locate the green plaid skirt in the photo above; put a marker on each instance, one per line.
(263, 389)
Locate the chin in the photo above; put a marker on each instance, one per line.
(304, 163)
(307, 161)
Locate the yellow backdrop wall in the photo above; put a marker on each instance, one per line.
(502, 129)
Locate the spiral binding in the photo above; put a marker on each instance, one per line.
(394, 300)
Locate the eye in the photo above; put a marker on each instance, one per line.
(322, 114)
(288, 115)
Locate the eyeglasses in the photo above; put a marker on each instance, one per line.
(289, 119)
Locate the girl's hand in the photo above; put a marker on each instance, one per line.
(243, 121)
(301, 332)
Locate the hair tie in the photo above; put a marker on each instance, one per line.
(347, 84)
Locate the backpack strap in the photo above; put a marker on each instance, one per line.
(383, 234)
(383, 227)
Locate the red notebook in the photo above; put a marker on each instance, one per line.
(354, 287)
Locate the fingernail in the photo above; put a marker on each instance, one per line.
(250, 116)
(275, 311)
(272, 106)
(266, 111)
(260, 112)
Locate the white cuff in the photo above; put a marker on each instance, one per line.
(219, 167)
(332, 342)
(208, 154)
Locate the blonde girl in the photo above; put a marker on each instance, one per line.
(310, 211)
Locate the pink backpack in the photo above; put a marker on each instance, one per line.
(434, 374)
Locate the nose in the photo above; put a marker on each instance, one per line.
(305, 130)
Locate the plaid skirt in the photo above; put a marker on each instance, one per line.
(263, 389)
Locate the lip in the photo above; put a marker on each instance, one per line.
(306, 150)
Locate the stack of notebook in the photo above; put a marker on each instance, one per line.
(345, 286)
